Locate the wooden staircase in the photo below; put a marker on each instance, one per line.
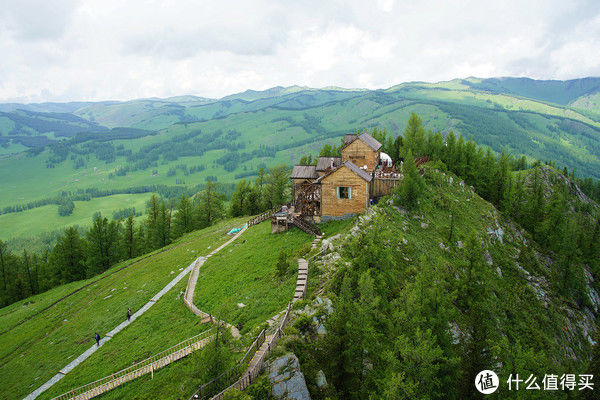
(307, 227)
(302, 280)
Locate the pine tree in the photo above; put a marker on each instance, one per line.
(536, 209)
(152, 223)
(414, 135)
(278, 186)
(500, 189)
(164, 225)
(68, 256)
(411, 187)
(3, 264)
(239, 198)
(458, 158)
(129, 242)
(26, 262)
(448, 154)
(102, 245)
(475, 301)
(397, 147)
(183, 221)
(209, 205)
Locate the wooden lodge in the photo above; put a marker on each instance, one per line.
(337, 187)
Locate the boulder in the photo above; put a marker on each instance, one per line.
(321, 380)
(287, 381)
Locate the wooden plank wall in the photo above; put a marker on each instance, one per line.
(382, 186)
(360, 154)
(331, 205)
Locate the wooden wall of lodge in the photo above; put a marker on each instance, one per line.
(360, 154)
(331, 205)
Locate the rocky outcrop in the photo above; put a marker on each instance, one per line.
(287, 381)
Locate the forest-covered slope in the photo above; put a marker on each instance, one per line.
(423, 299)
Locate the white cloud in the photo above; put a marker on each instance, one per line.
(110, 49)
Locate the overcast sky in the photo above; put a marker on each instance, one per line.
(59, 50)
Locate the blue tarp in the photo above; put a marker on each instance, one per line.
(236, 230)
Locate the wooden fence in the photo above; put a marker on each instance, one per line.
(146, 366)
(258, 359)
(382, 186)
(262, 217)
(209, 389)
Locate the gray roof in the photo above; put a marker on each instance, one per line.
(363, 174)
(349, 138)
(366, 138)
(304, 172)
(325, 162)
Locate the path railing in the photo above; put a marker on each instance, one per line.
(307, 227)
(258, 359)
(262, 217)
(209, 389)
(143, 367)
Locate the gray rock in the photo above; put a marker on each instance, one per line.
(321, 380)
(321, 331)
(287, 381)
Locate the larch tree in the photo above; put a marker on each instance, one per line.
(68, 256)
(183, 221)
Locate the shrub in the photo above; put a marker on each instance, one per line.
(282, 264)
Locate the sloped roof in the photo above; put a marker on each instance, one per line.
(363, 174)
(349, 138)
(366, 138)
(325, 162)
(304, 172)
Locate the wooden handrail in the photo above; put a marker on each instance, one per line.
(137, 367)
(256, 364)
(208, 388)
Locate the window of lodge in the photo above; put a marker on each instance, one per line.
(344, 192)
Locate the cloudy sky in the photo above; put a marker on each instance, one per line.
(113, 49)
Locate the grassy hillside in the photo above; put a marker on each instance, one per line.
(245, 273)
(45, 341)
(552, 91)
(29, 124)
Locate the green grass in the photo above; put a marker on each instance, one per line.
(33, 352)
(167, 323)
(183, 377)
(46, 218)
(245, 273)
